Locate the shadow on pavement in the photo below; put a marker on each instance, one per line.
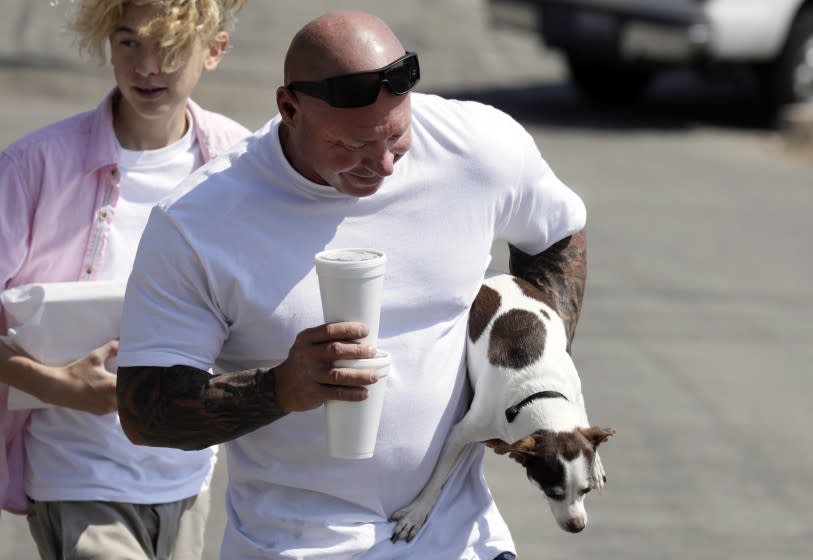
(677, 101)
(35, 62)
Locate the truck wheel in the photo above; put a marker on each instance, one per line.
(790, 78)
(608, 81)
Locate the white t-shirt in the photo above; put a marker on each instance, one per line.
(147, 176)
(226, 266)
(76, 455)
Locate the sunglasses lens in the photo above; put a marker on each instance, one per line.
(403, 77)
(355, 91)
(361, 88)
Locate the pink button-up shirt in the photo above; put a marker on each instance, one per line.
(58, 192)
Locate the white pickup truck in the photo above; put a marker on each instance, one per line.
(614, 48)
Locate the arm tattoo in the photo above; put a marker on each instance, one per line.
(187, 408)
(561, 271)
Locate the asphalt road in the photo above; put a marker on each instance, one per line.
(695, 336)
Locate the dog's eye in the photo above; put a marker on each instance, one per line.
(555, 495)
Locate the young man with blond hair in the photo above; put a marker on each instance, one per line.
(76, 196)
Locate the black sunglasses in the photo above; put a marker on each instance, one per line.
(359, 89)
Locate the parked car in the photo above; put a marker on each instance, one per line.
(614, 48)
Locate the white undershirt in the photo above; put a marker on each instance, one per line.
(107, 466)
(146, 177)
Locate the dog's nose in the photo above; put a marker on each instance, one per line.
(575, 525)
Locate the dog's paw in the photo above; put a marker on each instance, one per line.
(409, 521)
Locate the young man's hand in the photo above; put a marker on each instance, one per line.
(85, 384)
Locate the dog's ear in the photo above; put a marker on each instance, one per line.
(522, 449)
(524, 445)
(498, 445)
(596, 435)
(519, 450)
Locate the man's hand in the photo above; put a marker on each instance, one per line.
(85, 384)
(187, 408)
(307, 378)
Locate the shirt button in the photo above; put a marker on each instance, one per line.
(102, 214)
(88, 270)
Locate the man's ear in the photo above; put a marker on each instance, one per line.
(596, 435)
(287, 104)
(217, 48)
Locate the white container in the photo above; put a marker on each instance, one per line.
(352, 427)
(58, 322)
(351, 283)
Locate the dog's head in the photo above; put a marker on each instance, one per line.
(565, 466)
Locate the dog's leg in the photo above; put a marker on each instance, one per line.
(411, 518)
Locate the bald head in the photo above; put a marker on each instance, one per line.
(338, 43)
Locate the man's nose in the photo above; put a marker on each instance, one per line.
(148, 63)
(382, 164)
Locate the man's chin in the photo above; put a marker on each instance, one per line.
(361, 188)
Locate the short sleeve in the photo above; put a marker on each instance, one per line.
(169, 316)
(542, 209)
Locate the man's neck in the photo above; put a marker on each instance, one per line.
(136, 133)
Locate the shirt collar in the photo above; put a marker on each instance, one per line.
(104, 149)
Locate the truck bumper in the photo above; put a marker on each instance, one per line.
(664, 43)
(660, 35)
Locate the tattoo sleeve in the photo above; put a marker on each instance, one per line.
(188, 408)
(561, 271)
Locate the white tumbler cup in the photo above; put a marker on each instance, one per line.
(351, 283)
(352, 427)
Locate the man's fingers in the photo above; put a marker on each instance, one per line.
(351, 376)
(348, 330)
(337, 393)
(109, 349)
(112, 348)
(346, 351)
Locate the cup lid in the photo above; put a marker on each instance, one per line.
(354, 258)
(381, 359)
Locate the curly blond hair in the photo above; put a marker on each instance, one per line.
(177, 26)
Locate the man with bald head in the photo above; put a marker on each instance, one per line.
(224, 279)
(350, 150)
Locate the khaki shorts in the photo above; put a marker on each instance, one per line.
(110, 530)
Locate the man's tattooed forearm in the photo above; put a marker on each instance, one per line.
(561, 271)
(188, 408)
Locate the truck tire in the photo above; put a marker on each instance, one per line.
(789, 79)
(606, 80)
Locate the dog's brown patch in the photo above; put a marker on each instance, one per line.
(566, 444)
(517, 339)
(482, 310)
(539, 453)
(536, 293)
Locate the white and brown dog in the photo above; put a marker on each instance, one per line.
(527, 402)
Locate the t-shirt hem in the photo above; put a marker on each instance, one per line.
(157, 359)
(148, 496)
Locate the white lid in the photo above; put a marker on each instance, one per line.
(354, 262)
(381, 359)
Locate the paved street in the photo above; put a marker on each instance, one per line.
(695, 338)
